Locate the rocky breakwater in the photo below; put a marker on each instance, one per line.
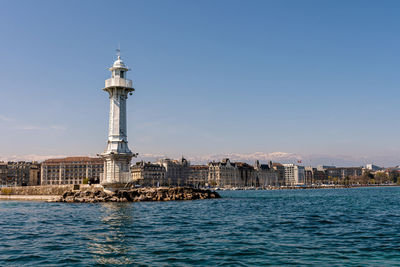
(135, 195)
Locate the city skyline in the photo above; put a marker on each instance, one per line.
(295, 84)
(279, 157)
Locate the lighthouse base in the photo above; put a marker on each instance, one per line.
(116, 169)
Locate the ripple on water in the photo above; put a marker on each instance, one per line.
(286, 227)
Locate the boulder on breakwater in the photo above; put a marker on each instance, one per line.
(95, 195)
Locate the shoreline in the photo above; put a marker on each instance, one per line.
(96, 193)
(306, 187)
(303, 187)
(54, 197)
(36, 198)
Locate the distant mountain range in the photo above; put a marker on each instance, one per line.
(282, 157)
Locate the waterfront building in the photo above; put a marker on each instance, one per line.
(280, 169)
(393, 173)
(320, 177)
(324, 167)
(3, 173)
(333, 173)
(246, 175)
(71, 170)
(226, 174)
(223, 174)
(373, 167)
(198, 176)
(351, 171)
(393, 169)
(19, 173)
(265, 174)
(148, 174)
(308, 175)
(294, 174)
(117, 156)
(176, 172)
(314, 176)
(34, 174)
(343, 172)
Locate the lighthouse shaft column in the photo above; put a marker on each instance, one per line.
(117, 156)
(117, 132)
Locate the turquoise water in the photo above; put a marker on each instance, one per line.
(249, 228)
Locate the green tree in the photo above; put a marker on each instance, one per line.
(394, 177)
(366, 177)
(381, 177)
(347, 180)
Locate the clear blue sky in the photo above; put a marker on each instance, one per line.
(211, 77)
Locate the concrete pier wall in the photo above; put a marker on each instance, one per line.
(48, 190)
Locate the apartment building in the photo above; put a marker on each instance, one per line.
(265, 175)
(20, 173)
(198, 176)
(223, 174)
(294, 174)
(148, 174)
(71, 170)
(176, 171)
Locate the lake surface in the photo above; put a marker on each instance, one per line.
(249, 228)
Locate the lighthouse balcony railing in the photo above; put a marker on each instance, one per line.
(118, 82)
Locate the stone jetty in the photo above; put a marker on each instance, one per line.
(94, 195)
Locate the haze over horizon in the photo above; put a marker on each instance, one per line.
(279, 80)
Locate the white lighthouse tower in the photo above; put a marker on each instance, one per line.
(117, 156)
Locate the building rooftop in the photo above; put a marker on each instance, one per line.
(74, 159)
(243, 165)
(199, 167)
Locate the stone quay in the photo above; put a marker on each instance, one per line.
(97, 193)
(94, 195)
